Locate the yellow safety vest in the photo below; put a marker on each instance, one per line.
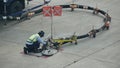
(33, 38)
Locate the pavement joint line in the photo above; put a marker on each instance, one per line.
(91, 54)
(101, 60)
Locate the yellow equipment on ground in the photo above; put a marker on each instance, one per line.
(61, 41)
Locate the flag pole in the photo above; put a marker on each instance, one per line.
(51, 23)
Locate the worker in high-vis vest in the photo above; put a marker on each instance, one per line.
(33, 43)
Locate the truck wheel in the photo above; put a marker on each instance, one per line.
(15, 7)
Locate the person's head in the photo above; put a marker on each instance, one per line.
(41, 33)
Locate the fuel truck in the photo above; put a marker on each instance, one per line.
(11, 6)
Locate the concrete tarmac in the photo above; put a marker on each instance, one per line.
(100, 52)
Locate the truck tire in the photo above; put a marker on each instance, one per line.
(15, 7)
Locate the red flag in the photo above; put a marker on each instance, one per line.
(47, 10)
(57, 11)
